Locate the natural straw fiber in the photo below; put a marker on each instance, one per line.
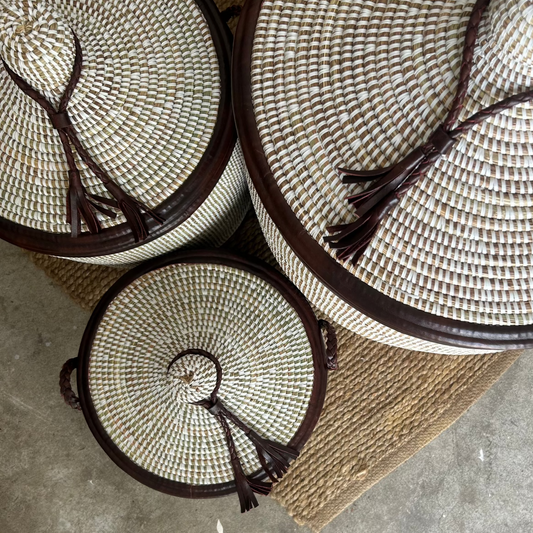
(359, 84)
(385, 105)
(382, 406)
(86, 284)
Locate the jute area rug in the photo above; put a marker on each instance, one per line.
(382, 406)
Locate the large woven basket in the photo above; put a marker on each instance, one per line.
(147, 365)
(152, 111)
(321, 87)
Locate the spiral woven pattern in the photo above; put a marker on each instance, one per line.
(144, 108)
(267, 366)
(359, 85)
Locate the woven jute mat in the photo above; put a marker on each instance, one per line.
(382, 406)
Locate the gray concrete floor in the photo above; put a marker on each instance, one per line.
(476, 477)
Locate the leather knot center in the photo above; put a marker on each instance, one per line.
(441, 141)
(61, 121)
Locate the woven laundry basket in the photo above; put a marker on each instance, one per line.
(201, 371)
(390, 147)
(117, 136)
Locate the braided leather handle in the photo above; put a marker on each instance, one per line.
(470, 41)
(331, 344)
(65, 385)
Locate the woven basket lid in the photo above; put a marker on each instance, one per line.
(151, 108)
(142, 364)
(322, 86)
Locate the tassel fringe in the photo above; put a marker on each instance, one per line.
(274, 457)
(79, 207)
(351, 240)
(132, 210)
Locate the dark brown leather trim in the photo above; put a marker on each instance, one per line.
(265, 272)
(353, 291)
(179, 206)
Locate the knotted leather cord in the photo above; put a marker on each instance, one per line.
(274, 457)
(393, 182)
(80, 203)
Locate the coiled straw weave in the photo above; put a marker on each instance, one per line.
(359, 85)
(145, 109)
(259, 339)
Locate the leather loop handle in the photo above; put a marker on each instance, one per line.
(65, 385)
(331, 344)
(274, 457)
(213, 359)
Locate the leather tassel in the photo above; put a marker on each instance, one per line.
(245, 486)
(132, 209)
(362, 176)
(275, 458)
(373, 204)
(105, 201)
(259, 487)
(389, 180)
(352, 239)
(79, 207)
(276, 455)
(103, 210)
(273, 475)
(357, 200)
(245, 492)
(134, 218)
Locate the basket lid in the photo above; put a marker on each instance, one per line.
(200, 372)
(395, 155)
(117, 121)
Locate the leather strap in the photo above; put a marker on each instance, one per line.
(331, 344)
(80, 204)
(274, 457)
(65, 386)
(393, 182)
(230, 12)
(467, 63)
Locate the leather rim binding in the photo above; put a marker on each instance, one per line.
(178, 207)
(334, 276)
(261, 270)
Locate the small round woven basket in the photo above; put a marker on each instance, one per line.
(390, 151)
(117, 137)
(203, 374)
